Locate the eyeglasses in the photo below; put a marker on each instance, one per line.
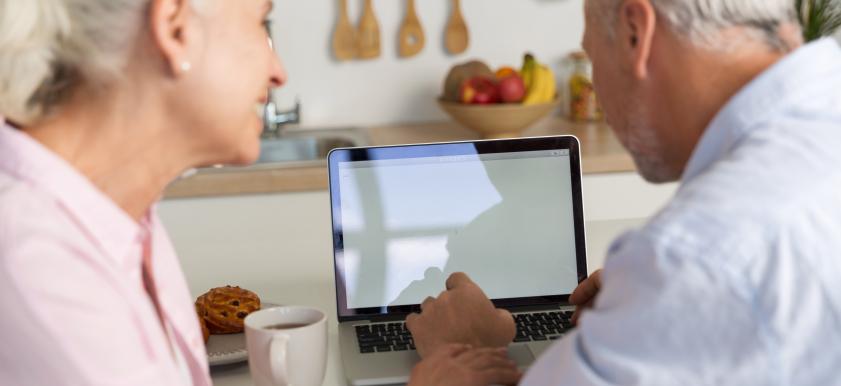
(268, 25)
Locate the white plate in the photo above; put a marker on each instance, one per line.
(223, 349)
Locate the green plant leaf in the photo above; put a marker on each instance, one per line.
(819, 17)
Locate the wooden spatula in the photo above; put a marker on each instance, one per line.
(369, 33)
(344, 37)
(411, 36)
(456, 38)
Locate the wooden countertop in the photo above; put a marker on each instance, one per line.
(601, 152)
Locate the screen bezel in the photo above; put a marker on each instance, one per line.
(566, 142)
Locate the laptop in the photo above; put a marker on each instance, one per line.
(506, 212)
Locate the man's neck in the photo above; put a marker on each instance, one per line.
(698, 84)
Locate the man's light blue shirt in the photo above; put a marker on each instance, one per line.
(737, 281)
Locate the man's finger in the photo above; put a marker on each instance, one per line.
(587, 289)
(504, 314)
(427, 302)
(501, 376)
(411, 320)
(579, 309)
(454, 349)
(457, 279)
(481, 359)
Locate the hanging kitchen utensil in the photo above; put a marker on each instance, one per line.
(456, 37)
(344, 37)
(411, 35)
(369, 33)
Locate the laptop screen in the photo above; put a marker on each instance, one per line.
(405, 218)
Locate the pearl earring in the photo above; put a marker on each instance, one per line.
(186, 66)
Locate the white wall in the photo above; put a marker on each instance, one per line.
(394, 90)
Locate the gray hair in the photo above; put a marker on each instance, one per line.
(50, 47)
(701, 21)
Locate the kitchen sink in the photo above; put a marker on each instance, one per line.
(301, 148)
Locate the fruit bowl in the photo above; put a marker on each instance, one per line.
(497, 120)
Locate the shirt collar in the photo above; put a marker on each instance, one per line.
(28, 161)
(783, 84)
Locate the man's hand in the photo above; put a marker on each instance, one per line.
(585, 294)
(461, 365)
(461, 314)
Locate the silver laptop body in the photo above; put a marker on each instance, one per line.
(507, 212)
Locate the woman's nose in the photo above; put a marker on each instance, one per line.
(277, 73)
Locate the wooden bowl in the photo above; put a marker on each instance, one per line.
(497, 120)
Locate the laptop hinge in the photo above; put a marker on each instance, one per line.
(375, 318)
(534, 308)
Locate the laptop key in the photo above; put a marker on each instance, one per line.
(365, 350)
(400, 347)
(522, 339)
(538, 337)
(383, 348)
(370, 344)
(369, 339)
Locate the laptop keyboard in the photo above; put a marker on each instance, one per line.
(539, 326)
(536, 326)
(383, 337)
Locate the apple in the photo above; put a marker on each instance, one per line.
(480, 90)
(512, 89)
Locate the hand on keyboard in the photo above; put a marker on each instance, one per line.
(585, 294)
(461, 314)
(461, 365)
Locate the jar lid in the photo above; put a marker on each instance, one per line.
(578, 55)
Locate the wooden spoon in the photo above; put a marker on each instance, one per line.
(369, 33)
(456, 38)
(412, 38)
(344, 37)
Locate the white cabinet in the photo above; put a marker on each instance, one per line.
(619, 196)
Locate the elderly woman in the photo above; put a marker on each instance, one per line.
(106, 102)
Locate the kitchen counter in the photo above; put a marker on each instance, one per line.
(601, 153)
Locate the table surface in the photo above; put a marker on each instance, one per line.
(319, 292)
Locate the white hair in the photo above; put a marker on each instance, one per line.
(702, 20)
(48, 48)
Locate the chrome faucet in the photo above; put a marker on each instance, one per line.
(273, 120)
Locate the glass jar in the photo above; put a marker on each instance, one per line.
(582, 104)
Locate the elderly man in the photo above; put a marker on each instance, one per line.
(735, 280)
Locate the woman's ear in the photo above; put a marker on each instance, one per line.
(172, 30)
(637, 21)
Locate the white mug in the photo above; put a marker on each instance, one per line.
(292, 353)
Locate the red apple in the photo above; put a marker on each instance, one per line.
(480, 90)
(512, 89)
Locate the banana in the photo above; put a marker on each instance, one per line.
(528, 71)
(552, 87)
(542, 85)
(539, 81)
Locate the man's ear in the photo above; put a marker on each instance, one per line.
(637, 21)
(171, 32)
